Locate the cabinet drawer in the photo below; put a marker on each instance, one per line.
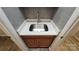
(36, 37)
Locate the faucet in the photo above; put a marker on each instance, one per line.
(38, 18)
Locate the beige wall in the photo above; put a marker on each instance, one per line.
(1, 31)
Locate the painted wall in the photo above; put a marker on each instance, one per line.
(44, 12)
(14, 15)
(62, 16)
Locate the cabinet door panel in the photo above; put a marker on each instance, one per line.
(45, 42)
(31, 42)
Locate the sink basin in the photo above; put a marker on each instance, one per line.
(38, 27)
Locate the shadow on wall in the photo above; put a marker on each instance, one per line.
(44, 12)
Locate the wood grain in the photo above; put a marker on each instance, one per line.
(6, 44)
(71, 42)
(38, 41)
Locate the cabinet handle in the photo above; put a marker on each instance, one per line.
(61, 37)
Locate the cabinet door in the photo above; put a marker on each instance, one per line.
(45, 42)
(31, 43)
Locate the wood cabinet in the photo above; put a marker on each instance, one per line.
(38, 41)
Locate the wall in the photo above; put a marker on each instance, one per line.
(44, 12)
(62, 16)
(1, 31)
(14, 15)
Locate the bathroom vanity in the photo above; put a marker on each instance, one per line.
(38, 41)
(40, 36)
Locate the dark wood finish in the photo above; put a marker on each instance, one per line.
(38, 41)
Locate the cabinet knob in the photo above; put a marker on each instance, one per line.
(61, 37)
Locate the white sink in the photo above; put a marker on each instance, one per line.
(38, 27)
